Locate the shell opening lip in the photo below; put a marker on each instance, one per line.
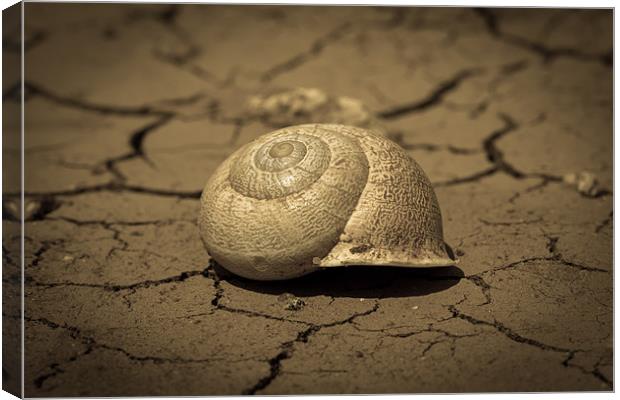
(440, 262)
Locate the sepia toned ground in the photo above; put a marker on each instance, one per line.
(130, 108)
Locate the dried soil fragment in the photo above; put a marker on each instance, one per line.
(305, 105)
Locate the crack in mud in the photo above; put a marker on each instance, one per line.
(216, 302)
(557, 258)
(512, 335)
(80, 222)
(606, 222)
(114, 187)
(136, 143)
(475, 177)
(288, 348)
(496, 156)
(77, 334)
(46, 245)
(183, 60)
(499, 163)
(13, 43)
(435, 147)
(34, 89)
(547, 54)
(315, 49)
(511, 223)
(118, 288)
(483, 285)
(509, 333)
(432, 99)
(447, 337)
(56, 370)
(397, 137)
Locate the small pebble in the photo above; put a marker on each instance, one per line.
(34, 209)
(293, 303)
(11, 209)
(586, 183)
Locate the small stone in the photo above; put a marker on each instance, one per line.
(293, 303)
(11, 210)
(34, 209)
(414, 307)
(586, 183)
(67, 258)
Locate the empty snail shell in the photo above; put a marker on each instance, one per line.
(320, 195)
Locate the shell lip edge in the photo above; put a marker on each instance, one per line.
(351, 253)
(423, 263)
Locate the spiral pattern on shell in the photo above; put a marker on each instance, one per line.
(315, 195)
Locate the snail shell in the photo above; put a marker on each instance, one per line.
(320, 195)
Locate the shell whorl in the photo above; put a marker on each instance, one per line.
(281, 166)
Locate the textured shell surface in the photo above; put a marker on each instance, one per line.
(320, 195)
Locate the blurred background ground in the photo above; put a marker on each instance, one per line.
(129, 108)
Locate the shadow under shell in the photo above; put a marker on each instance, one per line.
(370, 282)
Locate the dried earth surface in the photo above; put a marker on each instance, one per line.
(130, 108)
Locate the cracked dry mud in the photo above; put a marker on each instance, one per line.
(130, 108)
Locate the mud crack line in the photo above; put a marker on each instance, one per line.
(117, 288)
(33, 89)
(510, 334)
(112, 187)
(547, 54)
(496, 157)
(288, 348)
(91, 345)
(136, 143)
(433, 99)
(315, 50)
